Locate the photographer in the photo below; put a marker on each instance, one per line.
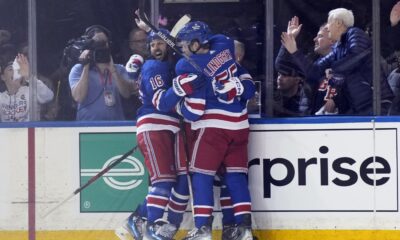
(96, 82)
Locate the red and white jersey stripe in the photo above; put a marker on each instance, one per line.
(157, 122)
(218, 118)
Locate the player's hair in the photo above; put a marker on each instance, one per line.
(342, 14)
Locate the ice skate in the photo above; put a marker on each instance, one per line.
(203, 233)
(244, 229)
(160, 231)
(132, 228)
(244, 233)
(229, 231)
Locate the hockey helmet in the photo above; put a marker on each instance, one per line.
(195, 31)
(153, 35)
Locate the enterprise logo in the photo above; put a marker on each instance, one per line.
(324, 170)
(134, 173)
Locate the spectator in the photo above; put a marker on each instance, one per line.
(14, 101)
(394, 82)
(394, 76)
(323, 90)
(351, 64)
(292, 96)
(63, 107)
(8, 52)
(136, 44)
(97, 83)
(138, 47)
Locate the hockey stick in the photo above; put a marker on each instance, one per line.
(185, 140)
(179, 24)
(168, 39)
(92, 179)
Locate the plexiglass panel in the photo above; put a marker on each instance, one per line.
(324, 59)
(14, 62)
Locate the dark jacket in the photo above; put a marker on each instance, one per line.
(300, 103)
(294, 106)
(351, 59)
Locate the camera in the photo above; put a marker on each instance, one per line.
(99, 51)
(101, 55)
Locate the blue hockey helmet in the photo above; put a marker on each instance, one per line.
(153, 35)
(194, 31)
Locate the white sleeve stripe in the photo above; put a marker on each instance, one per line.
(156, 98)
(195, 100)
(186, 80)
(178, 109)
(197, 106)
(192, 110)
(245, 76)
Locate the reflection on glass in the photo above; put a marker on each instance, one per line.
(254, 104)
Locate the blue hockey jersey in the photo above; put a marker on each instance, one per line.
(248, 85)
(155, 114)
(203, 107)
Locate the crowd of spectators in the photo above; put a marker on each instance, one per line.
(341, 76)
(295, 94)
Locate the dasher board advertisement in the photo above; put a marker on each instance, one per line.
(324, 170)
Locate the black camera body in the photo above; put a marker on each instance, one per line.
(101, 55)
(99, 51)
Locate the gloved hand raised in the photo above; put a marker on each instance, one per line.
(185, 84)
(134, 63)
(229, 89)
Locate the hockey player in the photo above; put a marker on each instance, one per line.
(229, 227)
(222, 130)
(161, 145)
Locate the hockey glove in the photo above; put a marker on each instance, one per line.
(228, 90)
(185, 84)
(134, 63)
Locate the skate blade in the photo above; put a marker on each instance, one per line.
(123, 234)
(247, 236)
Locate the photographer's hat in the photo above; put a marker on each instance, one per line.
(288, 68)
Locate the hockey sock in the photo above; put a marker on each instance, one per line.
(178, 200)
(203, 198)
(240, 195)
(228, 217)
(157, 200)
(141, 209)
